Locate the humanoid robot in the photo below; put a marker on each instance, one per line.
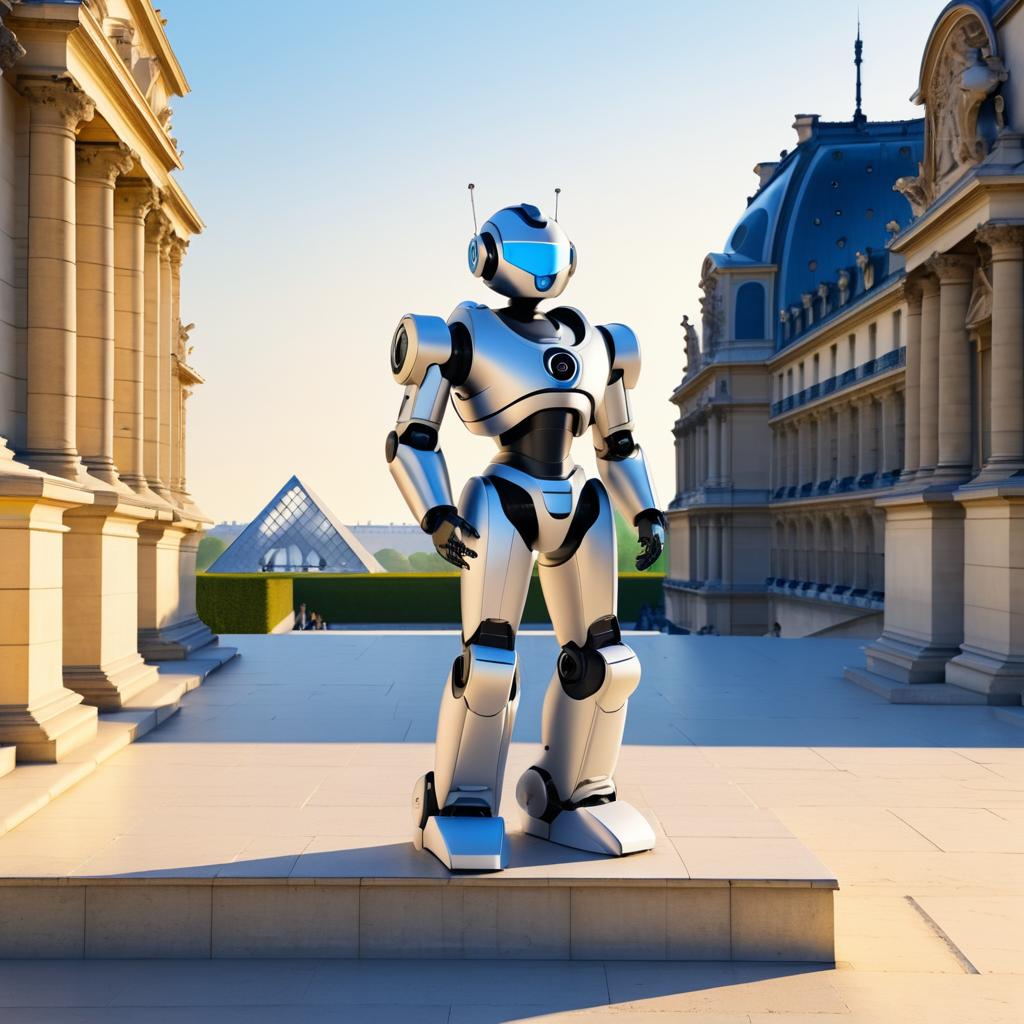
(533, 381)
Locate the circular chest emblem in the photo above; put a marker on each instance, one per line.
(560, 364)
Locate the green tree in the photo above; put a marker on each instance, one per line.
(429, 561)
(392, 560)
(208, 551)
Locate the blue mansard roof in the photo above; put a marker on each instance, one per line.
(828, 199)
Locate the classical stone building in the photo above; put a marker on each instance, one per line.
(851, 432)
(97, 529)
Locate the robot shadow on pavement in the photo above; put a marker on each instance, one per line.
(534, 381)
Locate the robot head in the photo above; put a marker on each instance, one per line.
(523, 254)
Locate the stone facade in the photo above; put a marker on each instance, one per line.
(97, 529)
(875, 480)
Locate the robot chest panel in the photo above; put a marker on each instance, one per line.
(512, 377)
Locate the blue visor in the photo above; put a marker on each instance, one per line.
(537, 258)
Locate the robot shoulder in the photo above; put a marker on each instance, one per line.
(419, 343)
(623, 352)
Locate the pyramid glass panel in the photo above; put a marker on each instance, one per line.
(296, 532)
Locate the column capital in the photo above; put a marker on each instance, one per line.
(11, 51)
(158, 229)
(104, 162)
(1005, 240)
(179, 246)
(135, 198)
(57, 100)
(912, 293)
(952, 268)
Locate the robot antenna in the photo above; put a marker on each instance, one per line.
(472, 205)
(557, 192)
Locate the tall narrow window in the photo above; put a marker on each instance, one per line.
(833, 361)
(851, 344)
(817, 369)
(897, 329)
(789, 382)
(802, 385)
(872, 341)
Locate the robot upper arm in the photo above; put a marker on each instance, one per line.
(419, 343)
(623, 353)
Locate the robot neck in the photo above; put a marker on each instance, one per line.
(521, 309)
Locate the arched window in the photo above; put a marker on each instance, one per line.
(750, 311)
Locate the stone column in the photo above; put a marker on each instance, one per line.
(794, 455)
(866, 455)
(824, 468)
(928, 431)
(98, 168)
(1007, 355)
(702, 455)
(912, 412)
(157, 227)
(714, 470)
(56, 108)
(714, 551)
(132, 201)
(725, 450)
(804, 469)
(726, 550)
(844, 442)
(890, 455)
(167, 330)
(954, 395)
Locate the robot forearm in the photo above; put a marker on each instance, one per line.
(629, 483)
(422, 477)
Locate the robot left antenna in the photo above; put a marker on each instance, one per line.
(472, 206)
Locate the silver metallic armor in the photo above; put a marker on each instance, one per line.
(534, 381)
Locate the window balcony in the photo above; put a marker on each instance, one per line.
(873, 367)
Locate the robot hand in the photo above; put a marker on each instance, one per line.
(441, 522)
(651, 525)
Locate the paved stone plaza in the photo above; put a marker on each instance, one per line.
(297, 756)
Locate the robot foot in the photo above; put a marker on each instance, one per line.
(459, 843)
(615, 829)
(467, 844)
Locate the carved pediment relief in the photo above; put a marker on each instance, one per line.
(961, 76)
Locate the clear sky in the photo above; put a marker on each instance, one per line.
(328, 145)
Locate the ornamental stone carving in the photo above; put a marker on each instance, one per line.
(104, 162)
(979, 309)
(951, 267)
(962, 74)
(843, 284)
(824, 301)
(136, 198)
(692, 345)
(712, 320)
(59, 99)
(796, 318)
(867, 270)
(1001, 238)
(807, 298)
(10, 49)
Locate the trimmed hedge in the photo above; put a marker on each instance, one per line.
(256, 602)
(243, 603)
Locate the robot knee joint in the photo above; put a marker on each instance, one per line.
(484, 675)
(602, 666)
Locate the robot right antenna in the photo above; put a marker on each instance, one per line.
(472, 206)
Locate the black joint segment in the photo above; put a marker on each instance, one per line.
(419, 436)
(555, 805)
(458, 677)
(494, 633)
(433, 516)
(399, 349)
(572, 319)
(619, 445)
(491, 260)
(604, 632)
(456, 369)
(587, 511)
(609, 344)
(581, 670)
(518, 507)
(391, 446)
(651, 515)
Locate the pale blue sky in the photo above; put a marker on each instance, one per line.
(328, 146)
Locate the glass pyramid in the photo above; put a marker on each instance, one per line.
(296, 532)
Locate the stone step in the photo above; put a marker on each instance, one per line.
(913, 693)
(542, 918)
(30, 787)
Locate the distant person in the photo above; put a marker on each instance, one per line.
(776, 629)
(301, 618)
(314, 621)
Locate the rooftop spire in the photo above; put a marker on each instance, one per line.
(858, 47)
